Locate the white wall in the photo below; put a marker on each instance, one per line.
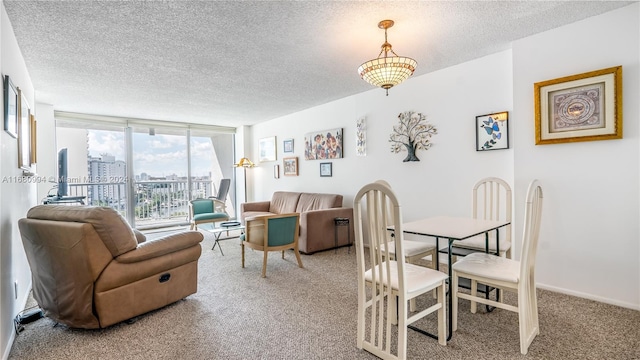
(590, 238)
(47, 157)
(589, 244)
(441, 182)
(15, 197)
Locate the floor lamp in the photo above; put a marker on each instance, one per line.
(245, 163)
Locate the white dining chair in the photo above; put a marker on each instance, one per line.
(492, 200)
(385, 285)
(413, 250)
(507, 274)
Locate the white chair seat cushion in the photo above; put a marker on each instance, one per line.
(489, 266)
(479, 243)
(417, 278)
(411, 248)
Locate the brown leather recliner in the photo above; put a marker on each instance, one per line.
(90, 269)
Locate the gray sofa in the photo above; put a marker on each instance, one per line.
(317, 214)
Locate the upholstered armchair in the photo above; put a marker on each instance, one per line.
(272, 233)
(90, 269)
(206, 211)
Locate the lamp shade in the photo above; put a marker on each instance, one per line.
(387, 71)
(244, 162)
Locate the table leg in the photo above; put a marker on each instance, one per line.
(437, 257)
(216, 242)
(335, 236)
(450, 271)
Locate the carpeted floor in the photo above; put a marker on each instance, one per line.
(310, 313)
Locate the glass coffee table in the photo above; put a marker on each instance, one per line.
(218, 228)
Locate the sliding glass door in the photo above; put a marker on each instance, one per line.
(148, 174)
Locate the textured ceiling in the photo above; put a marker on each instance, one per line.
(234, 63)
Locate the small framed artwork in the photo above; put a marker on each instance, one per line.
(34, 139)
(10, 108)
(325, 169)
(582, 107)
(276, 171)
(288, 145)
(492, 131)
(267, 149)
(290, 165)
(24, 133)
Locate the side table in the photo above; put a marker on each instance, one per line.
(337, 222)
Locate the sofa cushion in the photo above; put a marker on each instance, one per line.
(283, 202)
(310, 202)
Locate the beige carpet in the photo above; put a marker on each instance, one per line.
(310, 313)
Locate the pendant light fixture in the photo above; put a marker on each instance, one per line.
(387, 71)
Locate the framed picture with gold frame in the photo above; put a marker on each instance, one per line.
(582, 107)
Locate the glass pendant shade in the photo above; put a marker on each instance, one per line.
(387, 71)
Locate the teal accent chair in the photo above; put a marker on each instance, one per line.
(204, 211)
(272, 233)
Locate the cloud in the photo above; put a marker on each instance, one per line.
(103, 141)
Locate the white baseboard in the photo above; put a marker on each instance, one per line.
(12, 338)
(443, 260)
(7, 350)
(589, 296)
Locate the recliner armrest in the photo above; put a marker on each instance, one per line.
(162, 246)
(140, 237)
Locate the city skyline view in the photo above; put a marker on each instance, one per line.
(157, 155)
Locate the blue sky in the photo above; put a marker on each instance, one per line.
(158, 155)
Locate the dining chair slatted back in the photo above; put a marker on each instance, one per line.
(492, 200)
(413, 250)
(507, 274)
(376, 209)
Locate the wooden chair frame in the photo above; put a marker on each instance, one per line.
(258, 227)
(494, 272)
(382, 282)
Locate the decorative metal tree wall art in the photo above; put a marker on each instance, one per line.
(411, 134)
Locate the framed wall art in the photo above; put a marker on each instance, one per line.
(492, 131)
(10, 108)
(582, 107)
(326, 144)
(24, 133)
(290, 166)
(287, 145)
(326, 169)
(267, 149)
(34, 138)
(361, 137)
